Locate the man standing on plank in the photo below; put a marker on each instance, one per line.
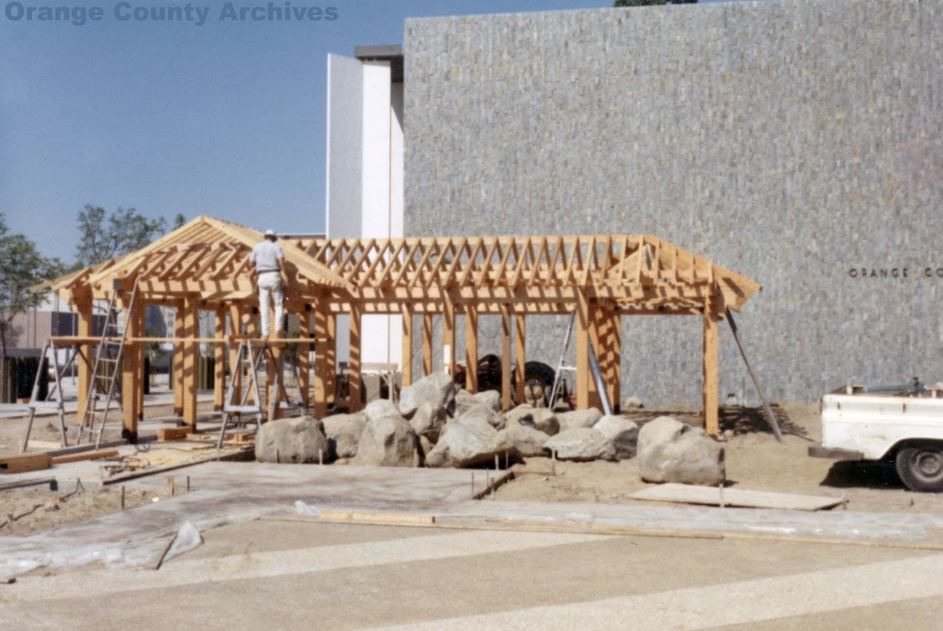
(268, 257)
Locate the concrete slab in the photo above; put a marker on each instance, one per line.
(227, 492)
(849, 525)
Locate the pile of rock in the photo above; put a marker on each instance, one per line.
(437, 425)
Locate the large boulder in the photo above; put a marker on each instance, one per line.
(527, 441)
(387, 442)
(296, 440)
(671, 451)
(437, 389)
(489, 398)
(542, 419)
(486, 414)
(621, 433)
(581, 444)
(579, 418)
(465, 400)
(381, 408)
(343, 433)
(428, 421)
(468, 441)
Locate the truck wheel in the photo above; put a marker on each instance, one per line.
(921, 468)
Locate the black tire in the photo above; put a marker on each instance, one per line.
(921, 468)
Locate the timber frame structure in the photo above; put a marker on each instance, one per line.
(204, 265)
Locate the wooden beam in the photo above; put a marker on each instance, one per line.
(520, 355)
(85, 320)
(235, 369)
(426, 344)
(332, 359)
(191, 357)
(583, 376)
(274, 374)
(710, 377)
(219, 360)
(177, 360)
(355, 378)
(471, 348)
(448, 335)
(130, 373)
(406, 367)
(615, 361)
(304, 357)
(138, 350)
(595, 315)
(323, 367)
(506, 358)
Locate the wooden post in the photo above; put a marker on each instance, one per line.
(406, 367)
(520, 355)
(130, 371)
(253, 328)
(235, 368)
(177, 366)
(426, 344)
(710, 381)
(355, 378)
(139, 353)
(322, 364)
(615, 360)
(85, 317)
(332, 359)
(471, 348)
(505, 357)
(191, 357)
(304, 355)
(274, 374)
(595, 400)
(448, 335)
(583, 376)
(219, 360)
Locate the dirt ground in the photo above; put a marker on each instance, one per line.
(45, 430)
(754, 459)
(28, 511)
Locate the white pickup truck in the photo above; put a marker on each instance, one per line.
(899, 424)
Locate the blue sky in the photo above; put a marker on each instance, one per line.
(225, 119)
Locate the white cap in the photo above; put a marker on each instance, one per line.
(270, 233)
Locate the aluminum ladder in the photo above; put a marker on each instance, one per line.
(106, 369)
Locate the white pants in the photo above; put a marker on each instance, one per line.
(270, 288)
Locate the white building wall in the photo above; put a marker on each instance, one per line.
(365, 179)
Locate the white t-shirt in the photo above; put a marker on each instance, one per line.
(266, 256)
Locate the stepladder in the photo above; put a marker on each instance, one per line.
(244, 393)
(105, 387)
(55, 397)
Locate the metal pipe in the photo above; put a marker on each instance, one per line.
(600, 385)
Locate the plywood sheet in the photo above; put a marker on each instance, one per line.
(741, 498)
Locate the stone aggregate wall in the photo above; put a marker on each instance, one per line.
(798, 142)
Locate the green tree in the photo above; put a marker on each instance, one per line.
(22, 267)
(103, 236)
(179, 220)
(643, 3)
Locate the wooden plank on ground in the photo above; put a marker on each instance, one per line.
(173, 433)
(741, 498)
(24, 462)
(85, 455)
(390, 519)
